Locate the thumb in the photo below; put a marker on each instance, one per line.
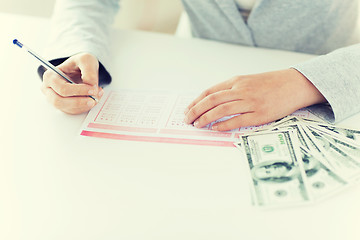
(89, 68)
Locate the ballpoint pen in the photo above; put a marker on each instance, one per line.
(46, 64)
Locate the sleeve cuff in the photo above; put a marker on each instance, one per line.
(337, 76)
(104, 76)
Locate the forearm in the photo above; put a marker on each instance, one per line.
(337, 76)
(82, 26)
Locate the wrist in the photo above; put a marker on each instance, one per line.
(305, 93)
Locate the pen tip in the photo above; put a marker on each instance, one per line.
(16, 42)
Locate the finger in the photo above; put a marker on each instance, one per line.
(83, 68)
(66, 89)
(100, 93)
(243, 120)
(89, 67)
(218, 87)
(223, 110)
(210, 102)
(70, 105)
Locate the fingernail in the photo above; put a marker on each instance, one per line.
(91, 103)
(101, 93)
(196, 124)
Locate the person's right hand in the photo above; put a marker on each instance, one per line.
(74, 98)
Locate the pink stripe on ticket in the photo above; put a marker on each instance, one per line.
(196, 133)
(156, 139)
(121, 128)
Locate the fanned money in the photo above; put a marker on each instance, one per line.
(297, 161)
(275, 167)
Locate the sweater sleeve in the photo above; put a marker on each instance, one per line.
(337, 76)
(82, 26)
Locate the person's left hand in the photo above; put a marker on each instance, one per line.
(255, 99)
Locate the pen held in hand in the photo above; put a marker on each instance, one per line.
(47, 64)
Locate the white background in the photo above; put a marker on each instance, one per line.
(150, 15)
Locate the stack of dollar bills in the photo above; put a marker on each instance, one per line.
(295, 161)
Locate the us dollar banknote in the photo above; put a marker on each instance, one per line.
(276, 170)
(322, 181)
(350, 147)
(296, 160)
(338, 159)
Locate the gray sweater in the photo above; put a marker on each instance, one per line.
(329, 28)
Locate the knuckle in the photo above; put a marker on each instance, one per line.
(258, 102)
(85, 57)
(206, 93)
(48, 73)
(212, 98)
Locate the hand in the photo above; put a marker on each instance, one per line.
(73, 98)
(259, 99)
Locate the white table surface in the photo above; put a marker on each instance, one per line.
(55, 184)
